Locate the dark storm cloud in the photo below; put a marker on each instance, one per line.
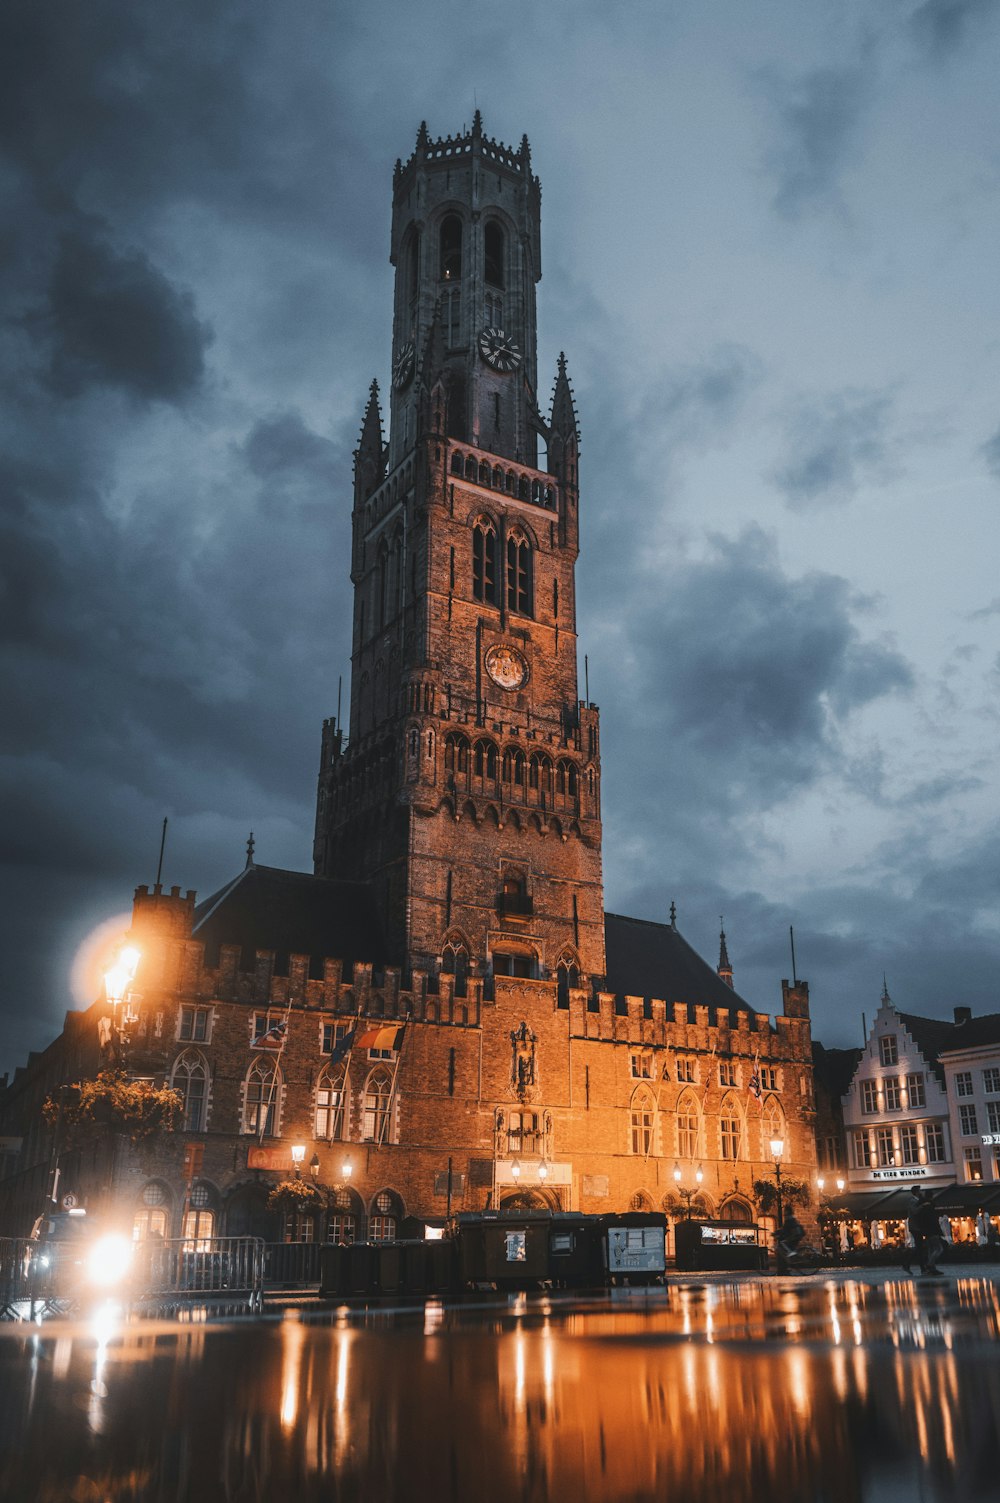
(694, 403)
(280, 445)
(991, 453)
(818, 116)
(113, 318)
(836, 444)
(941, 26)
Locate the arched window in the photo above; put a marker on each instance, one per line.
(345, 1217)
(484, 562)
(567, 976)
(150, 1219)
(199, 1219)
(540, 772)
(329, 1103)
(413, 265)
(493, 254)
(485, 759)
(457, 464)
(451, 248)
(456, 754)
(730, 1129)
(190, 1078)
(455, 962)
(772, 1125)
(641, 1119)
(384, 1218)
(378, 1094)
(519, 590)
(260, 1102)
(688, 1127)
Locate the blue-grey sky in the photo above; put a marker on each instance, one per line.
(770, 238)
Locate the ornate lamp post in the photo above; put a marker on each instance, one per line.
(777, 1149)
(113, 1031)
(699, 1175)
(298, 1154)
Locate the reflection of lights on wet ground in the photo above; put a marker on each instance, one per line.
(105, 1325)
(548, 1362)
(433, 1316)
(519, 1370)
(293, 1336)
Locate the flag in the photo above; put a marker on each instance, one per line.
(386, 1036)
(753, 1084)
(342, 1046)
(274, 1038)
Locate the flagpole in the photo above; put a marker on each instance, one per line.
(274, 1071)
(392, 1089)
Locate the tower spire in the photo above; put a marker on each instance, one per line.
(369, 460)
(724, 969)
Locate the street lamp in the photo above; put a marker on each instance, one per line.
(515, 1171)
(777, 1149)
(346, 1169)
(543, 1171)
(314, 1166)
(298, 1154)
(117, 988)
(699, 1175)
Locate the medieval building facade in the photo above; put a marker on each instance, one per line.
(443, 1016)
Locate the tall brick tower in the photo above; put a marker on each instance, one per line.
(468, 790)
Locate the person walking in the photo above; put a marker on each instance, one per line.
(914, 1253)
(927, 1224)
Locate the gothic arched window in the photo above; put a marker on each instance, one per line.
(484, 562)
(455, 962)
(190, 1078)
(493, 254)
(329, 1100)
(456, 754)
(378, 1095)
(519, 590)
(567, 976)
(641, 1119)
(260, 1102)
(688, 1121)
(730, 1129)
(451, 248)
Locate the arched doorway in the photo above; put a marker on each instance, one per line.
(530, 1200)
(247, 1214)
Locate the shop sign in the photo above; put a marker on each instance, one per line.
(990, 1138)
(910, 1172)
(269, 1158)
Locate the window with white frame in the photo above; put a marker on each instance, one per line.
(260, 1101)
(862, 1150)
(934, 1143)
(768, 1078)
(869, 1096)
(973, 1163)
(963, 1083)
(190, 1078)
(883, 1145)
(342, 1227)
(729, 1134)
(641, 1061)
(993, 1115)
(915, 1095)
(909, 1146)
(893, 1097)
(967, 1123)
(329, 1103)
(687, 1134)
(382, 1226)
(523, 1135)
(378, 1095)
(727, 1074)
(686, 1071)
(194, 1023)
(991, 1081)
(887, 1052)
(641, 1116)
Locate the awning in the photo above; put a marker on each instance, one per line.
(859, 1205)
(966, 1200)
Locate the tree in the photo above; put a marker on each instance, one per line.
(295, 1195)
(111, 1101)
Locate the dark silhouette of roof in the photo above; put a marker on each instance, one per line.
(645, 959)
(291, 913)
(835, 1068)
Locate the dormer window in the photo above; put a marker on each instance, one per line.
(888, 1053)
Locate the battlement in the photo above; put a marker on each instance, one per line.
(473, 143)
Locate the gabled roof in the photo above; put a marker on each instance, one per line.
(291, 913)
(646, 959)
(974, 1032)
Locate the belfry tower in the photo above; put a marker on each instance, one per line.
(468, 790)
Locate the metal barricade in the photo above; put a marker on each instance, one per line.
(208, 1268)
(15, 1257)
(292, 1265)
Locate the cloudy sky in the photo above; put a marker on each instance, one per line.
(770, 251)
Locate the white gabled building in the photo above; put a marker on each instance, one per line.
(896, 1117)
(971, 1066)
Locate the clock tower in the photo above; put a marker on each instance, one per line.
(467, 793)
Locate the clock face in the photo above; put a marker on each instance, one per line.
(499, 350)
(402, 371)
(506, 667)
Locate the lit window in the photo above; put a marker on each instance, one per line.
(883, 1145)
(378, 1094)
(893, 1097)
(908, 1145)
(261, 1098)
(190, 1078)
(888, 1054)
(329, 1100)
(973, 1163)
(641, 1123)
(869, 1096)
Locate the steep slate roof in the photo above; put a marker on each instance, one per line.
(292, 913)
(645, 959)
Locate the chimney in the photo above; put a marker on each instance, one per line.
(962, 1015)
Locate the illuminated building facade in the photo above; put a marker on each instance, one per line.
(444, 1007)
